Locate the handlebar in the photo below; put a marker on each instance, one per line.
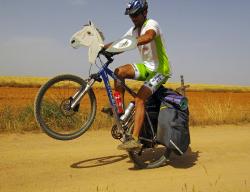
(107, 54)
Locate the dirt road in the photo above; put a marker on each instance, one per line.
(218, 160)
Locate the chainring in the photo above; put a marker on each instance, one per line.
(115, 133)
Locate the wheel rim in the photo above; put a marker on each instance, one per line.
(54, 109)
(149, 157)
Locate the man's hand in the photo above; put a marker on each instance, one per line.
(107, 45)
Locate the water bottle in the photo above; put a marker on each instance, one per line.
(118, 101)
(128, 110)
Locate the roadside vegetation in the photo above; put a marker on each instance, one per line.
(12, 81)
(208, 104)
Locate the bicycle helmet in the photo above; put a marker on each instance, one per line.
(136, 6)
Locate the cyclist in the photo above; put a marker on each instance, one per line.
(154, 69)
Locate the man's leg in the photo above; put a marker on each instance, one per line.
(123, 72)
(140, 100)
(143, 94)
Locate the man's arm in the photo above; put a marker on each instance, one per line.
(142, 40)
(106, 46)
(146, 38)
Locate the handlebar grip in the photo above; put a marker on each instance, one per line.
(106, 54)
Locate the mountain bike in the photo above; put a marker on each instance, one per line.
(65, 108)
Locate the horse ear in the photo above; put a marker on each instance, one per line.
(90, 23)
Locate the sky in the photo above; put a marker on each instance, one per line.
(208, 41)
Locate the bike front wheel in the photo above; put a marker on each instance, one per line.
(53, 112)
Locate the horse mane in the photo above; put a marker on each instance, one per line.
(98, 30)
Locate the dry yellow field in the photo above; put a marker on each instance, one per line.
(208, 104)
(25, 81)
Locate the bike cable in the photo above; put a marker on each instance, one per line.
(101, 62)
(90, 68)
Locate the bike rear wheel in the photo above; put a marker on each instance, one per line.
(149, 158)
(53, 113)
(151, 155)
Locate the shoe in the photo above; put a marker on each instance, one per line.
(130, 144)
(107, 110)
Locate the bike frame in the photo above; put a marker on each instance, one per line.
(104, 73)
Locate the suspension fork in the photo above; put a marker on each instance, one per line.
(79, 94)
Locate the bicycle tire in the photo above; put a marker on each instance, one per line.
(151, 155)
(139, 163)
(40, 100)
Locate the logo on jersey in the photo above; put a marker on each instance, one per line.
(124, 43)
(158, 78)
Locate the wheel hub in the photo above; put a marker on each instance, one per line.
(66, 109)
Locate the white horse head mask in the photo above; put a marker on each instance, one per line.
(91, 37)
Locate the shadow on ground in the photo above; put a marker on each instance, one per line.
(99, 161)
(185, 161)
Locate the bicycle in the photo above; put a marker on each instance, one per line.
(65, 108)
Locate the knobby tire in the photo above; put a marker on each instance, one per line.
(39, 102)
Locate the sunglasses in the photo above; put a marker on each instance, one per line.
(136, 14)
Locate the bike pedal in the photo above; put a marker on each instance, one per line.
(107, 110)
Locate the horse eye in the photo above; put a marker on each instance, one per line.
(89, 33)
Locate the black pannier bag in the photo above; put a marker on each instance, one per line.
(173, 121)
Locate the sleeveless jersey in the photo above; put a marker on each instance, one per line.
(153, 53)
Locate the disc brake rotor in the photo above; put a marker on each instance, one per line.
(66, 109)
